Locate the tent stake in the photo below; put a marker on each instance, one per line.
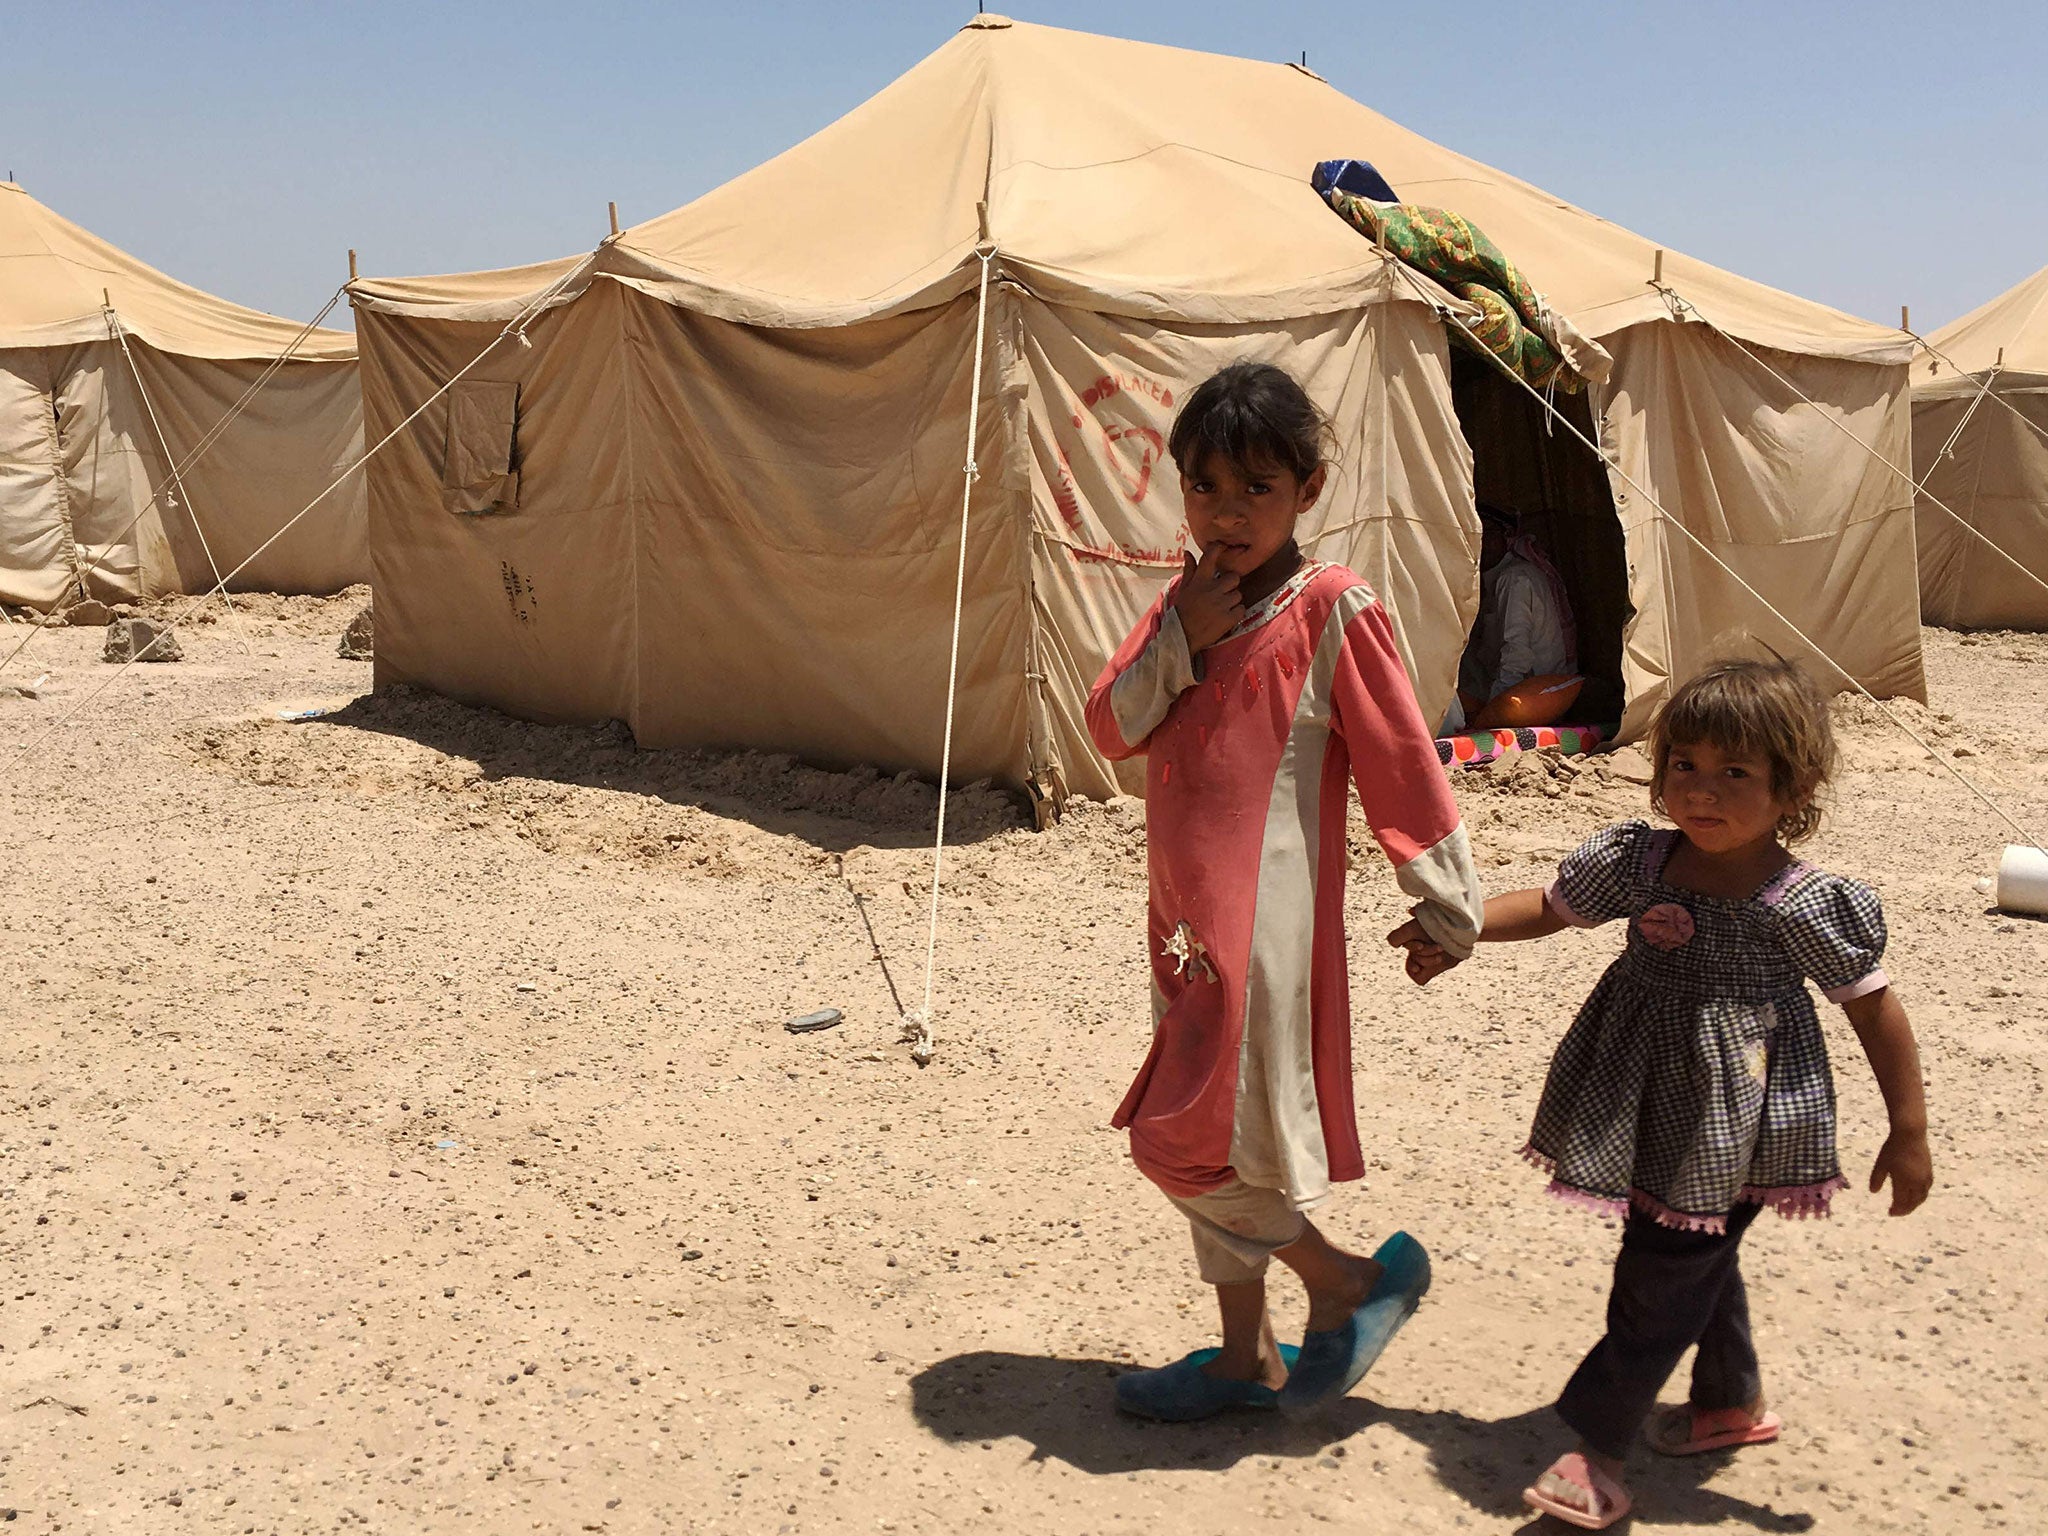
(614, 207)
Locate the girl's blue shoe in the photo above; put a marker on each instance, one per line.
(1180, 1392)
(1334, 1360)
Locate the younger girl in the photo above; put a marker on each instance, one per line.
(1694, 1090)
(1257, 685)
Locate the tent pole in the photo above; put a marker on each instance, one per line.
(614, 207)
(351, 264)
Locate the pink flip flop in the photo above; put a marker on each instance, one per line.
(1689, 1431)
(1610, 1499)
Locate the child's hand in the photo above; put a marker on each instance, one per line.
(1427, 959)
(1904, 1160)
(1206, 600)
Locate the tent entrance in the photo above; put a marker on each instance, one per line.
(1562, 493)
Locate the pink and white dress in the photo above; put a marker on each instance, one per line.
(1251, 751)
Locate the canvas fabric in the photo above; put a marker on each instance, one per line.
(740, 428)
(1808, 518)
(1993, 480)
(1121, 177)
(80, 455)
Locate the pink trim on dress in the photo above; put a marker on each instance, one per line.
(1680, 1221)
(1796, 1202)
(1586, 1200)
(1554, 899)
(1793, 1202)
(1876, 981)
(1568, 1194)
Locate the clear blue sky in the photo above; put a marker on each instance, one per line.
(1863, 155)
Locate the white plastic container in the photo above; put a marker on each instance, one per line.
(2023, 880)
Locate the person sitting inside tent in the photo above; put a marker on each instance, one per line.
(1519, 664)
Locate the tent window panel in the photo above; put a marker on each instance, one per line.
(480, 462)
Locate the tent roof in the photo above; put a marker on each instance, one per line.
(55, 279)
(1126, 177)
(2015, 323)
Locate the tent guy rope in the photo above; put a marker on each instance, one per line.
(1451, 317)
(917, 1024)
(1683, 306)
(178, 492)
(515, 327)
(197, 452)
(2018, 415)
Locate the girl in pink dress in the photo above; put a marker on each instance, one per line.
(1260, 687)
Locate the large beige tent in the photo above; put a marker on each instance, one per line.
(1980, 447)
(89, 429)
(717, 493)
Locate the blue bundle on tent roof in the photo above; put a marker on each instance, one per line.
(1354, 176)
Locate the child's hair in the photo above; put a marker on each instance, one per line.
(1257, 417)
(1762, 709)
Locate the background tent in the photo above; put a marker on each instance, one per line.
(1987, 464)
(80, 453)
(717, 494)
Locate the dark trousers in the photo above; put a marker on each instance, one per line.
(1671, 1290)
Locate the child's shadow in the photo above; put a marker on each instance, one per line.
(1065, 1410)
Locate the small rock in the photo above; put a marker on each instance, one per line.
(140, 640)
(526, 986)
(358, 640)
(19, 691)
(89, 614)
(690, 1254)
(1630, 765)
(239, 1194)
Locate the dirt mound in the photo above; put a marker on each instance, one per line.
(589, 790)
(293, 614)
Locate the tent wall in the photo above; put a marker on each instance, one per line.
(80, 457)
(531, 609)
(289, 443)
(698, 503)
(1996, 480)
(76, 460)
(1105, 505)
(1801, 512)
(798, 498)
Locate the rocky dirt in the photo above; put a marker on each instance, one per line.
(400, 1133)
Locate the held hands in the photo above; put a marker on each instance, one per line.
(1206, 600)
(1905, 1161)
(1427, 959)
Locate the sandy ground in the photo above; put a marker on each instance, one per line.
(400, 1133)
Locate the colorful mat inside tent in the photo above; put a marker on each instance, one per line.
(1475, 749)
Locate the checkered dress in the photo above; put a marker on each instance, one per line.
(1696, 1075)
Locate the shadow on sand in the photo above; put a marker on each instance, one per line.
(832, 811)
(1063, 1408)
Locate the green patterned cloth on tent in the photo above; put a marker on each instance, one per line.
(1456, 253)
